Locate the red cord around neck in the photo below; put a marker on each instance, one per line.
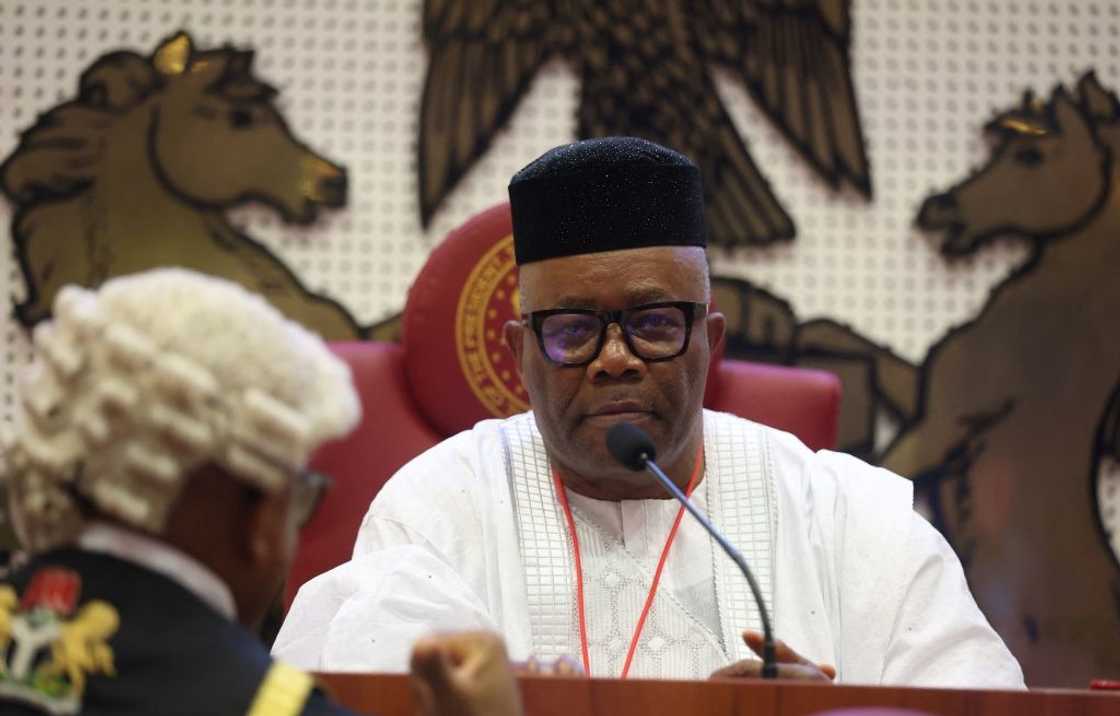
(562, 496)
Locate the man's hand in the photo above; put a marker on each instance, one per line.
(464, 674)
(791, 665)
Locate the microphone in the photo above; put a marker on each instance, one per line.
(632, 447)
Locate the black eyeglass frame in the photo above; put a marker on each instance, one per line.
(690, 309)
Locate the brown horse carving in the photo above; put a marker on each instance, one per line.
(1008, 423)
(1008, 433)
(138, 170)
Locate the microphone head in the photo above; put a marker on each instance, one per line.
(630, 445)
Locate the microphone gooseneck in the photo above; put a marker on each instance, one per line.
(633, 448)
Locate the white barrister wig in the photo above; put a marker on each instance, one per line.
(154, 374)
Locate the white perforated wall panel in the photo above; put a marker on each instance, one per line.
(927, 74)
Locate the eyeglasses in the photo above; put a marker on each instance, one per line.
(307, 492)
(653, 331)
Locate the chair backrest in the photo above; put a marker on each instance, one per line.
(451, 370)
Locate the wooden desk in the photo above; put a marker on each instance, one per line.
(390, 695)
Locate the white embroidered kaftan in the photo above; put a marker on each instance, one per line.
(470, 535)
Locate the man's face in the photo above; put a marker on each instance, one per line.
(576, 406)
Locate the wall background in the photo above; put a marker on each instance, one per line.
(927, 75)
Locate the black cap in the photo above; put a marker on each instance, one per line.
(604, 195)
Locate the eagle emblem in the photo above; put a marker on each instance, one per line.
(49, 646)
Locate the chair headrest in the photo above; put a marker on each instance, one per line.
(458, 366)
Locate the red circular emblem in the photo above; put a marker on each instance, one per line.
(488, 300)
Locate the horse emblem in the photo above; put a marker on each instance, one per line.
(45, 657)
(137, 171)
(1018, 414)
(1010, 427)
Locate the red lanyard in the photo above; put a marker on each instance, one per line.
(563, 497)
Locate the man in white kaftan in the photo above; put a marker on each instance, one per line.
(474, 533)
(471, 535)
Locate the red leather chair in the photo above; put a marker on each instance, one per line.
(451, 370)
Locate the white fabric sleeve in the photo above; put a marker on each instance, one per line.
(365, 615)
(422, 563)
(940, 638)
(904, 614)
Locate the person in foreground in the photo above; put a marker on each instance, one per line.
(156, 475)
(528, 526)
